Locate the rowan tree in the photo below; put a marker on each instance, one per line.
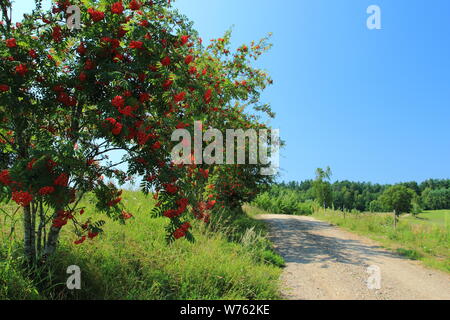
(133, 73)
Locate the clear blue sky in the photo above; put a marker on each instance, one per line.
(372, 104)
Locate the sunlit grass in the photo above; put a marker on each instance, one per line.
(135, 262)
(428, 242)
(439, 217)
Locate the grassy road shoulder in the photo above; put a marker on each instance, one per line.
(232, 261)
(424, 238)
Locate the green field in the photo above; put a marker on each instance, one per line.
(438, 217)
(135, 262)
(426, 238)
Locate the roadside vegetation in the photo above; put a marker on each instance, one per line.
(410, 218)
(230, 259)
(422, 239)
(437, 217)
(283, 201)
(100, 110)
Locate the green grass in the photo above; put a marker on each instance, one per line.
(234, 261)
(438, 217)
(253, 211)
(427, 241)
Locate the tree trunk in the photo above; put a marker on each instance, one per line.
(52, 239)
(29, 236)
(40, 230)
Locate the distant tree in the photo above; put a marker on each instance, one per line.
(436, 199)
(434, 184)
(413, 186)
(416, 206)
(432, 194)
(322, 188)
(376, 206)
(398, 198)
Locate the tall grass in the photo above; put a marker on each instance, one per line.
(429, 243)
(135, 262)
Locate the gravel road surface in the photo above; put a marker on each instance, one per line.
(324, 262)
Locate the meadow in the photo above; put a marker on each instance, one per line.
(233, 260)
(425, 237)
(437, 217)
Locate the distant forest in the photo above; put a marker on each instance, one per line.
(293, 197)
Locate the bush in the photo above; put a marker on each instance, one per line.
(376, 206)
(280, 200)
(416, 208)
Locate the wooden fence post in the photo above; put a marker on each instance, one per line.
(395, 219)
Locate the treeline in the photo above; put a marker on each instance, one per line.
(298, 197)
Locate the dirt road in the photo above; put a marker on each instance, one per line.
(325, 262)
